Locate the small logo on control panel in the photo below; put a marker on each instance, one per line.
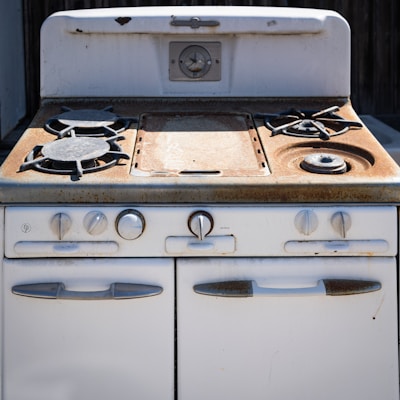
(26, 228)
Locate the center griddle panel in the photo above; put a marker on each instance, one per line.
(170, 144)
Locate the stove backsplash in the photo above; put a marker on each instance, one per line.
(195, 51)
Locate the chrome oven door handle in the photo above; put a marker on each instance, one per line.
(56, 290)
(324, 287)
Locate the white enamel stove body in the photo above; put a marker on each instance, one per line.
(263, 296)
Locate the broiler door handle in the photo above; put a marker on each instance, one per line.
(324, 287)
(56, 290)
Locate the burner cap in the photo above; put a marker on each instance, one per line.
(75, 148)
(87, 118)
(307, 126)
(324, 163)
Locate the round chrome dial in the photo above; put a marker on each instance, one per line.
(200, 224)
(130, 224)
(195, 61)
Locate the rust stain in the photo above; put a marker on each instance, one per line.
(224, 144)
(373, 176)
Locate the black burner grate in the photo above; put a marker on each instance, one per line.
(308, 124)
(75, 156)
(87, 122)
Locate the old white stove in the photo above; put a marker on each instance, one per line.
(197, 212)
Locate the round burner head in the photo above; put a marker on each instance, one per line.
(75, 149)
(87, 118)
(324, 163)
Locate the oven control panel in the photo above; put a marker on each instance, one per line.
(172, 231)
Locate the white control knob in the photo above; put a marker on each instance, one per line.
(130, 224)
(306, 222)
(60, 224)
(200, 224)
(95, 223)
(341, 223)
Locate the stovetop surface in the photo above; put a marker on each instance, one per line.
(372, 176)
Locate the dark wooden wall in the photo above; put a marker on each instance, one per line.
(375, 42)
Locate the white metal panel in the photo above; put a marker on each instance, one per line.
(285, 348)
(266, 51)
(232, 19)
(94, 349)
(238, 231)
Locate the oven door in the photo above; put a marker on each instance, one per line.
(284, 329)
(79, 329)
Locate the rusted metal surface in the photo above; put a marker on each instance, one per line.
(198, 144)
(373, 177)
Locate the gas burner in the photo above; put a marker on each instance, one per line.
(308, 124)
(75, 156)
(87, 122)
(324, 163)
